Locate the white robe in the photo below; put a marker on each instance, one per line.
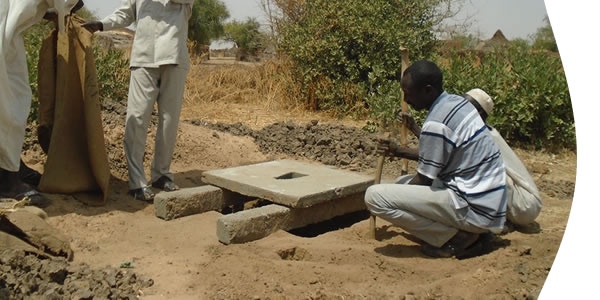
(15, 92)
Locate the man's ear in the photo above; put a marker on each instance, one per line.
(428, 89)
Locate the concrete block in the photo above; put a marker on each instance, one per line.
(257, 223)
(188, 201)
(291, 183)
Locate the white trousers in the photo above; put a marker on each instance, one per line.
(523, 207)
(15, 93)
(426, 212)
(165, 86)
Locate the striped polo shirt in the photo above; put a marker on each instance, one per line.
(456, 147)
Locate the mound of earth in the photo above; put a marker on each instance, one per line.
(331, 144)
(23, 275)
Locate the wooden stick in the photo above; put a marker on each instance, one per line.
(373, 219)
(404, 129)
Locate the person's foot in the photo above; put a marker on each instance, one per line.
(144, 194)
(29, 175)
(456, 246)
(11, 186)
(165, 184)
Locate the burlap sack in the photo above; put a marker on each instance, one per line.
(77, 160)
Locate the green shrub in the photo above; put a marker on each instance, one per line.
(347, 54)
(530, 92)
(112, 71)
(33, 42)
(112, 67)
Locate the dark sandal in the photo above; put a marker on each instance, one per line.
(165, 184)
(32, 196)
(144, 194)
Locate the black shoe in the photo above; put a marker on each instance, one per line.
(456, 246)
(144, 194)
(32, 196)
(165, 184)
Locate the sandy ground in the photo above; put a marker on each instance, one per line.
(186, 261)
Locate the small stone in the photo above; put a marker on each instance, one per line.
(525, 251)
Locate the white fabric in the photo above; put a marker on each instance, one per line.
(483, 99)
(63, 8)
(15, 92)
(425, 212)
(164, 85)
(523, 197)
(161, 31)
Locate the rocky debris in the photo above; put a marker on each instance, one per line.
(23, 275)
(336, 145)
(560, 189)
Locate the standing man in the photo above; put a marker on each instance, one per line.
(522, 196)
(159, 63)
(459, 189)
(15, 93)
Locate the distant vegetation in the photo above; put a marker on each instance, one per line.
(341, 56)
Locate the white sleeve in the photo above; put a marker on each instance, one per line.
(122, 17)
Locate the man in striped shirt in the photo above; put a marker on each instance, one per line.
(459, 189)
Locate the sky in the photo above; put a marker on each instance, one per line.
(516, 18)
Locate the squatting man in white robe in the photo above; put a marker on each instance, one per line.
(159, 63)
(522, 195)
(15, 93)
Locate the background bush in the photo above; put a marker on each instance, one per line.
(112, 67)
(347, 57)
(530, 92)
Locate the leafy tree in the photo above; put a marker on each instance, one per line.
(521, 44)
(206, 22)
(347, 54)
(246, 35)
(532, 105)
(544, 37)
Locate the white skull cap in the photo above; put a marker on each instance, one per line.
(63, 8)
(483, 99)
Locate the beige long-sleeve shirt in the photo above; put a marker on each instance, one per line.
(161, 30)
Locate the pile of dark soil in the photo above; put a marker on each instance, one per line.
(331, 144)
(23, 275)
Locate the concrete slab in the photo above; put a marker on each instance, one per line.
(188, 201)
(291, 183)
(257, 223)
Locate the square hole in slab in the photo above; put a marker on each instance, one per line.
(291, 175)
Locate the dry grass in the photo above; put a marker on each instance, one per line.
(256, 94)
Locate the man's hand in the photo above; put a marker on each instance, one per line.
(411, 124)
(93, 26)
(77, 7)
(387, 147)
(51, 15)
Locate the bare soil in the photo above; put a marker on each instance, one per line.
(184, 259)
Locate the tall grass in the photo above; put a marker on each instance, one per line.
(266, 83)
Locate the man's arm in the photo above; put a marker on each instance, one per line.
(408, 153)
(122, 17)
(410, 123)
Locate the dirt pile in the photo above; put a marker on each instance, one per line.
(24, 275)
(331, 144)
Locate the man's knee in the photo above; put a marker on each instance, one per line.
(372, 197)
